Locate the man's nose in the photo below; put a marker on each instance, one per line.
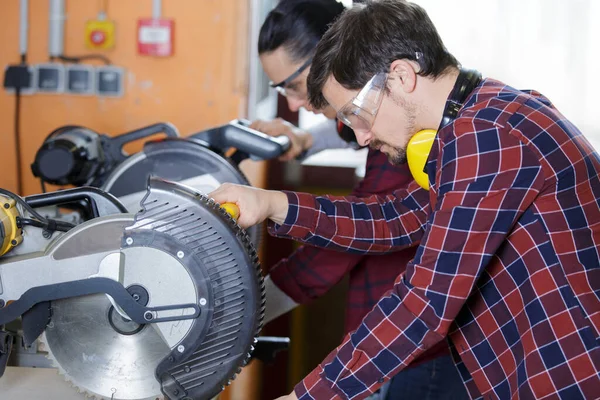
(295, 104)
(363, 137)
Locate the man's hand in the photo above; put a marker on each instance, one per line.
(291, 396)
(255, 204)
(299, 140)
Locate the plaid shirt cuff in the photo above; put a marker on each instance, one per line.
(316, 386)
(301, 218)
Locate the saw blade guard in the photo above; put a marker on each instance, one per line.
(226, 256)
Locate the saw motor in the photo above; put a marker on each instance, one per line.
(10, 234)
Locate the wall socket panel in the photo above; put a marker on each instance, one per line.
(75, 79)
(50, 78)
(110, 81)
(80, 79)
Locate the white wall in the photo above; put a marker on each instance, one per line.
(552, 46)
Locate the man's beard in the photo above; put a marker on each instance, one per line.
(397, 155)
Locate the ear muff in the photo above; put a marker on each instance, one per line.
(417, 153)
(419, 146)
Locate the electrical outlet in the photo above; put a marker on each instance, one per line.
(50, 78)
(109, 81)
(80, 79)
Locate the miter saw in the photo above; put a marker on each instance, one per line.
(164, 302)
(74, 155)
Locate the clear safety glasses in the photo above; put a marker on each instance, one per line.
(360, 112)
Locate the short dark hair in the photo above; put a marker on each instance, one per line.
(298, 25)
(366, 39)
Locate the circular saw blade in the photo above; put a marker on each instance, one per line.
(98, 360)
(93, 356)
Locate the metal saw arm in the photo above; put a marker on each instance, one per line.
(49, 279)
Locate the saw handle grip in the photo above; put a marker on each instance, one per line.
(239, 135)
(257, 144)
(116, 144)
(232, 209)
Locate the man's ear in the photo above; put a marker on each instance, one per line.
(403, 74)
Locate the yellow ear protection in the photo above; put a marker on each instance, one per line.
(417, 152)
(419, 146)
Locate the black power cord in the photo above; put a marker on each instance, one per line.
(40, 221)
(23, 203)
(79, 59)
(50, 225)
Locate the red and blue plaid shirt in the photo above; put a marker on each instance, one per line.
(310, 272)
(508, 264)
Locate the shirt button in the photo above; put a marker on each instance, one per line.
(381, 380)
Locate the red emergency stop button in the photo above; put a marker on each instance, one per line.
(98, 37)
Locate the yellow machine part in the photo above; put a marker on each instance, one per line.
(232, 209)
(10, 234)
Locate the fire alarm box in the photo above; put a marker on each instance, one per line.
(155, 37)
(99, 34)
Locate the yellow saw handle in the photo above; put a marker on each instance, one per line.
(232, 209)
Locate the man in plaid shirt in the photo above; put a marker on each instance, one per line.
(286, 41)
(310, 272)
(508, 263)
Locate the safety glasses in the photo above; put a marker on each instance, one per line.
(360, 112)
(282, 87)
